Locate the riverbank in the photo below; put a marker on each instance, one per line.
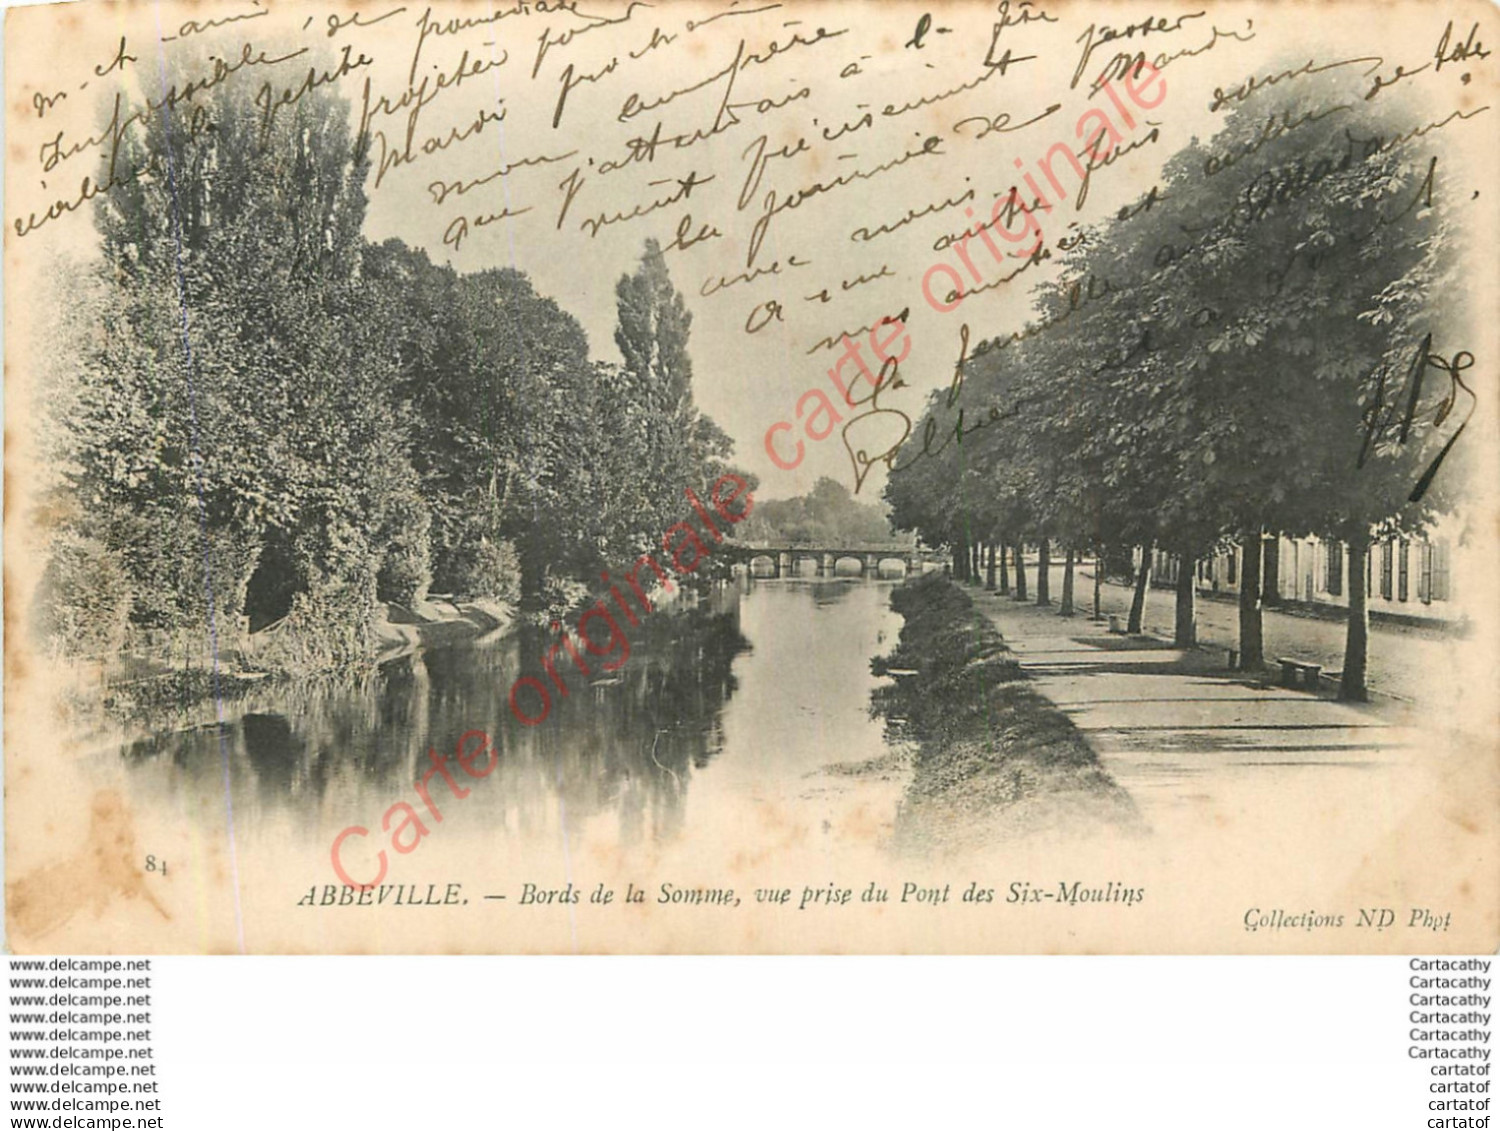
(993, 758)
(168, 681)
(437, 621)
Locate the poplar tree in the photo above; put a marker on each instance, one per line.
(682, 447)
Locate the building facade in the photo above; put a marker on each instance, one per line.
(1407, 577)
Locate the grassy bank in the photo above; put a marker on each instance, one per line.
(993, 758)
(165, 680)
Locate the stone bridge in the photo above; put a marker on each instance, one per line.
(784, 557)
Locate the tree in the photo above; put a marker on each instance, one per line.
(1312, 291)
(829, 514)
(1242, 349)
(231, 399)
(682, 447)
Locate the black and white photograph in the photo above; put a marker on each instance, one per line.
(556, 476)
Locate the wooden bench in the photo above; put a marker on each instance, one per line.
(1296, 673)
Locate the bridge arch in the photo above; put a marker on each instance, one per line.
(828, 559)
(806, 565)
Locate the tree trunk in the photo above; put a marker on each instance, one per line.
(1252, 645)
(978, 571)
(1098, 583)
(1357, 641)
(1066, 610)
(1004, 571)
(989, 569)
(1020, 593)
(1044, 573)
(961, 560)
(1185, 624)
(533, 565)
(1142, 583)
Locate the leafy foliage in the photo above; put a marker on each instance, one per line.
(828, 513)
(1239, 350)
(83, 605)
(271, 418)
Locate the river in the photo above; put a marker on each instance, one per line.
(710, 741)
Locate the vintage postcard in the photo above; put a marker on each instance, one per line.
(584, 476)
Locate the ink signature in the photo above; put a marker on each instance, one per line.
(1381, 417)
(863, 461)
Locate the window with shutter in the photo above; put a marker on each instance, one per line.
(1440, 571)
(1335, 573)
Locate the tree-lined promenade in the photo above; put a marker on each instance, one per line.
(1272, 339)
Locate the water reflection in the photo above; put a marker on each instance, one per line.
(770, 676)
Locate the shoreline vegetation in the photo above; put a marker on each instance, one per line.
(167, 680)
(993, 759)
(157, 680)
(163, 709)
(354, 428)
(156, 684)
